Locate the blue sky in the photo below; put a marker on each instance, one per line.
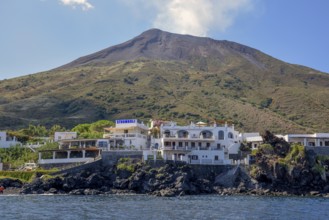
(38, 35)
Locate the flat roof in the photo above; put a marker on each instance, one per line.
(72, 149)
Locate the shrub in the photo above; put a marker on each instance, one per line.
(266, 149)
(24, 176)
(296, 153)
(253, 170)
(125, 164)
(266, 103)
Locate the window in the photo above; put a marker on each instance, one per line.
(103, 144)
(200, 144)
(230, 135)
(216, 157)
(167, 133)
(195, 157)
(192, 144)
(208, 144)
(221, 135)
(180, 144)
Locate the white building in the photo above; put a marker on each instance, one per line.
(309, 140)
(128, 133)
(198, 143)
(74, 151)
(254, 139)
(58, 136)
(6, 142)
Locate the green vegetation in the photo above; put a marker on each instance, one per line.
(93, 130)
(296, 153)
(253, 170)
(322, 158)
(126, 164)
(266, 149)
(25, 176)
(266, 103)
(17, 156)
(200, 89)
(245, 148)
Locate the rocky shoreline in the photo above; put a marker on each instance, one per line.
(167, 181)
(278, 170)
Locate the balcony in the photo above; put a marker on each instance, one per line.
(189, 148)
(188, 137)
(125, 136)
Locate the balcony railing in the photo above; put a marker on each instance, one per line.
(185, 137)
(190, 148)
(129, 135)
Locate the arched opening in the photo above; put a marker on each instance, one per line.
(221, 135)
(230, 135)
(206, 134)
(166, 133)
(182, 134)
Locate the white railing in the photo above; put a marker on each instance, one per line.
(188, 137)
(66, 160)
(129, 135)
(189, 148)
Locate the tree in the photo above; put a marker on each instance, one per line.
(99, 126)
(36, 131)
(55, 128)
(82, 128)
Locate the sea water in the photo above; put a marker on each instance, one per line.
(149, 207)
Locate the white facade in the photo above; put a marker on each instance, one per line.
(254, 139)
(309, 140)
(6, 142)
(85, 143)
(199, 143)
(128, 133)
(58, 136)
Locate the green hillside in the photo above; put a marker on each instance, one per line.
(244, 86)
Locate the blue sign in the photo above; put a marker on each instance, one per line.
(125, 121)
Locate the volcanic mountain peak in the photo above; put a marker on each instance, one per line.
(173, 77)
(160, 45)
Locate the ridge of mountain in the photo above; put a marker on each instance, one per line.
(161, 45)
(175, 77)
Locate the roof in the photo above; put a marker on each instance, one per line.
(78, 140)
(254, 139)
(72, 149)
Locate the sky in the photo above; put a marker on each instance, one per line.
(39, 35)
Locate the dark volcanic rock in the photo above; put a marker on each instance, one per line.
(8, 182)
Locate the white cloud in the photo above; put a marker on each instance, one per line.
(84, 4)
(195, 17)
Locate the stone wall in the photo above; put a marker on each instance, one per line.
(319, 150)
(203, 171)
(79, 168)
(111, 157)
